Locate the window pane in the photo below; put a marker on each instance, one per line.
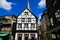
(57, 15)
(19, 36)
(19, 25)
(26, 25)
(46, 18)
(26, 13)
(51, 21)
(19, 20)
(33, 25)
(32, 35)
(29, 19)
(23, 19)
(26, 36)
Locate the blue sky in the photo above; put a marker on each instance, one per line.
(14, 7)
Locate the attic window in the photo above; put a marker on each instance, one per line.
(26, 13)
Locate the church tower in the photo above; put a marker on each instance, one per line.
(26, 26)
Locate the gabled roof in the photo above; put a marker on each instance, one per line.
(28, 10)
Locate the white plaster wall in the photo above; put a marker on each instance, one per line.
(33, 20)
(29, 27)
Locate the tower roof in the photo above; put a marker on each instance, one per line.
(28, 5)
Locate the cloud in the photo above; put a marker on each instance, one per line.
(5, 5)
(42, 3)
(39, 16)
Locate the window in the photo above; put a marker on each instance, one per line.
(32, 36)
(53, 36)
(51, 21)
(26, 13)
(23, 19)
(19, 25)
(33, 25)
(54, 2)
(19, 36)
(26, 36)
(46, 18)
(57, 15)
(29, 19)
(19, 19)
(26, 25)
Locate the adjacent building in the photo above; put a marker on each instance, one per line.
(52, 22)
(6, 23)
(39, 30)
(44, 21)
(53, 8)
(1, 22)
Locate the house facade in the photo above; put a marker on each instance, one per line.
(52, 22)
(26, 26)
(44, 23)
(53, 8)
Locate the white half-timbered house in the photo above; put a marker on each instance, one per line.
(26, 27)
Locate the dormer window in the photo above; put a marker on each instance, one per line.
(26, 13)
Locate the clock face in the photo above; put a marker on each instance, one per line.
(57, 15)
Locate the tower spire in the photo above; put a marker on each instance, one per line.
(28, 6)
